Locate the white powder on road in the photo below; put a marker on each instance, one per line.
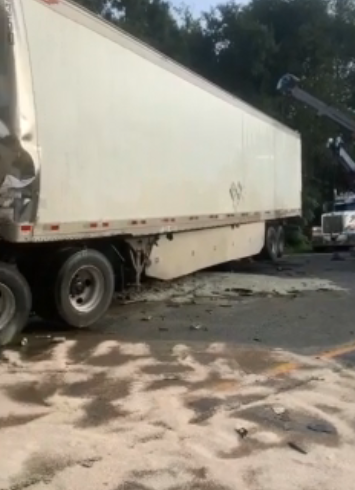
(67, 422)
(231, 285)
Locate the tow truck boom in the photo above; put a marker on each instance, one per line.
(288, 85)
(343, 157)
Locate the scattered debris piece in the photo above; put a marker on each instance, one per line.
(279, 410)
(58, 340)
(240, 291)
(195, 327)
(256, 339)
(163, 329)
(88, 463)
(24, 341)
(321, 427)
(171, 377)
(297, 447)
(198, 327)
(242, 432)
(146, 318)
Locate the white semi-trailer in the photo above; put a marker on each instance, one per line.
(115, 158)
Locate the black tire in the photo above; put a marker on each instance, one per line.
(73, 269)
(16, 295)
(43, 287)
(280, 240)
(270, 249)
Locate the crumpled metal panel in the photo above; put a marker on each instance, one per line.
(19, 156)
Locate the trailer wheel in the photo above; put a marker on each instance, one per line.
(84, 288)
(43, 287)
(15, 303)
(271, 249)
(280, 240)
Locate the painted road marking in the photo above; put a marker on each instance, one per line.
(289, 367)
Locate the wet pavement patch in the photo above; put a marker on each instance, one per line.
(131, 485)
(40, 468)
(200, 485)
(99, 386)
(204, 409)
(166, 382)
(98, 413)
(195, 484)
(17, 420)
(30, 393)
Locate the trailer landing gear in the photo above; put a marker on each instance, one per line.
(140, 250)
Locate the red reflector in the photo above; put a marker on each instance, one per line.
(51, 2)
(26, 227)
(105, 225)
(54, 227)
(93, 225)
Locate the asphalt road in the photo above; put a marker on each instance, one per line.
(259, 312)
(303, 321)
(240, 377)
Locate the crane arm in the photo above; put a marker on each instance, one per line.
(288, 85)
(343, 157)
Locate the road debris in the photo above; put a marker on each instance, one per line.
(279, 410)
(242, 432)
(197, 327)
(321, 427)
(58, 340)
(146, 318)
(297, 447)
(89, 463)
(171, 377)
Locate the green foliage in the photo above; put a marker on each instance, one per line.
(246, 48)
(296, 240)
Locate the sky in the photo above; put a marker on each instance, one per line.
(202, 5)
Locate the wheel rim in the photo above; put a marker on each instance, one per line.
(7, 306)
(272, 243)
(86, 289)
